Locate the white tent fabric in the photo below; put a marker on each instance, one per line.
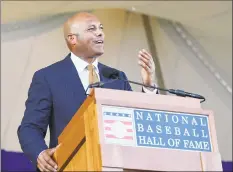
(195, 55)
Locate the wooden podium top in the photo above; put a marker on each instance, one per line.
(139, 99)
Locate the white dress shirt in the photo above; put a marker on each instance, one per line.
(81, 67)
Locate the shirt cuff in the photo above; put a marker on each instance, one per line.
(150, 90)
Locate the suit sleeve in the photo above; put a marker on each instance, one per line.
(32, 131)
(126, 85)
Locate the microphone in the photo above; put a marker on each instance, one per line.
(94, 85)
(110, 73)
(115, 74)
(98, 84)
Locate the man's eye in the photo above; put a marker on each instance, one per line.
(91, 28)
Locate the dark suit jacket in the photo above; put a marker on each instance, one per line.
(55, 94)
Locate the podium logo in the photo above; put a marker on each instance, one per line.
(118, 128)
(161, 129)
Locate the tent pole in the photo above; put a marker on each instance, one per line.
(152, 48)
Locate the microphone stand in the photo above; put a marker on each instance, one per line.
(172, 91)
(181, 93)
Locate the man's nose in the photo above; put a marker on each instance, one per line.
(99, 32)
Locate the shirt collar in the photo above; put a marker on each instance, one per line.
(80, 64)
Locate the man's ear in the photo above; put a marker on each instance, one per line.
(72, 39)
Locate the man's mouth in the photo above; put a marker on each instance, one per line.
(99, 42)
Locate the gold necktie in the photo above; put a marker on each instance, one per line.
(92, 74)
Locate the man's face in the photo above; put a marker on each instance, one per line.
(90, 39)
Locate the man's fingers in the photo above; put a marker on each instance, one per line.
(45, 161)
(147, 57)
(51, 151)
(141, 63)
(41, 163)
(41, 168)
(146, 61)
(50, 161)
(144, 55)
(45, 164)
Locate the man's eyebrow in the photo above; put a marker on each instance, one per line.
(93, 25)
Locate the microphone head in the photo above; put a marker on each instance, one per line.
(96, 85)
(110, 73)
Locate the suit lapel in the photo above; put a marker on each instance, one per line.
(102, 78)
(73, 81)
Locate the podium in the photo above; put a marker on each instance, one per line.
(116, 130)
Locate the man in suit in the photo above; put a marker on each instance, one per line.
(57, 91)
